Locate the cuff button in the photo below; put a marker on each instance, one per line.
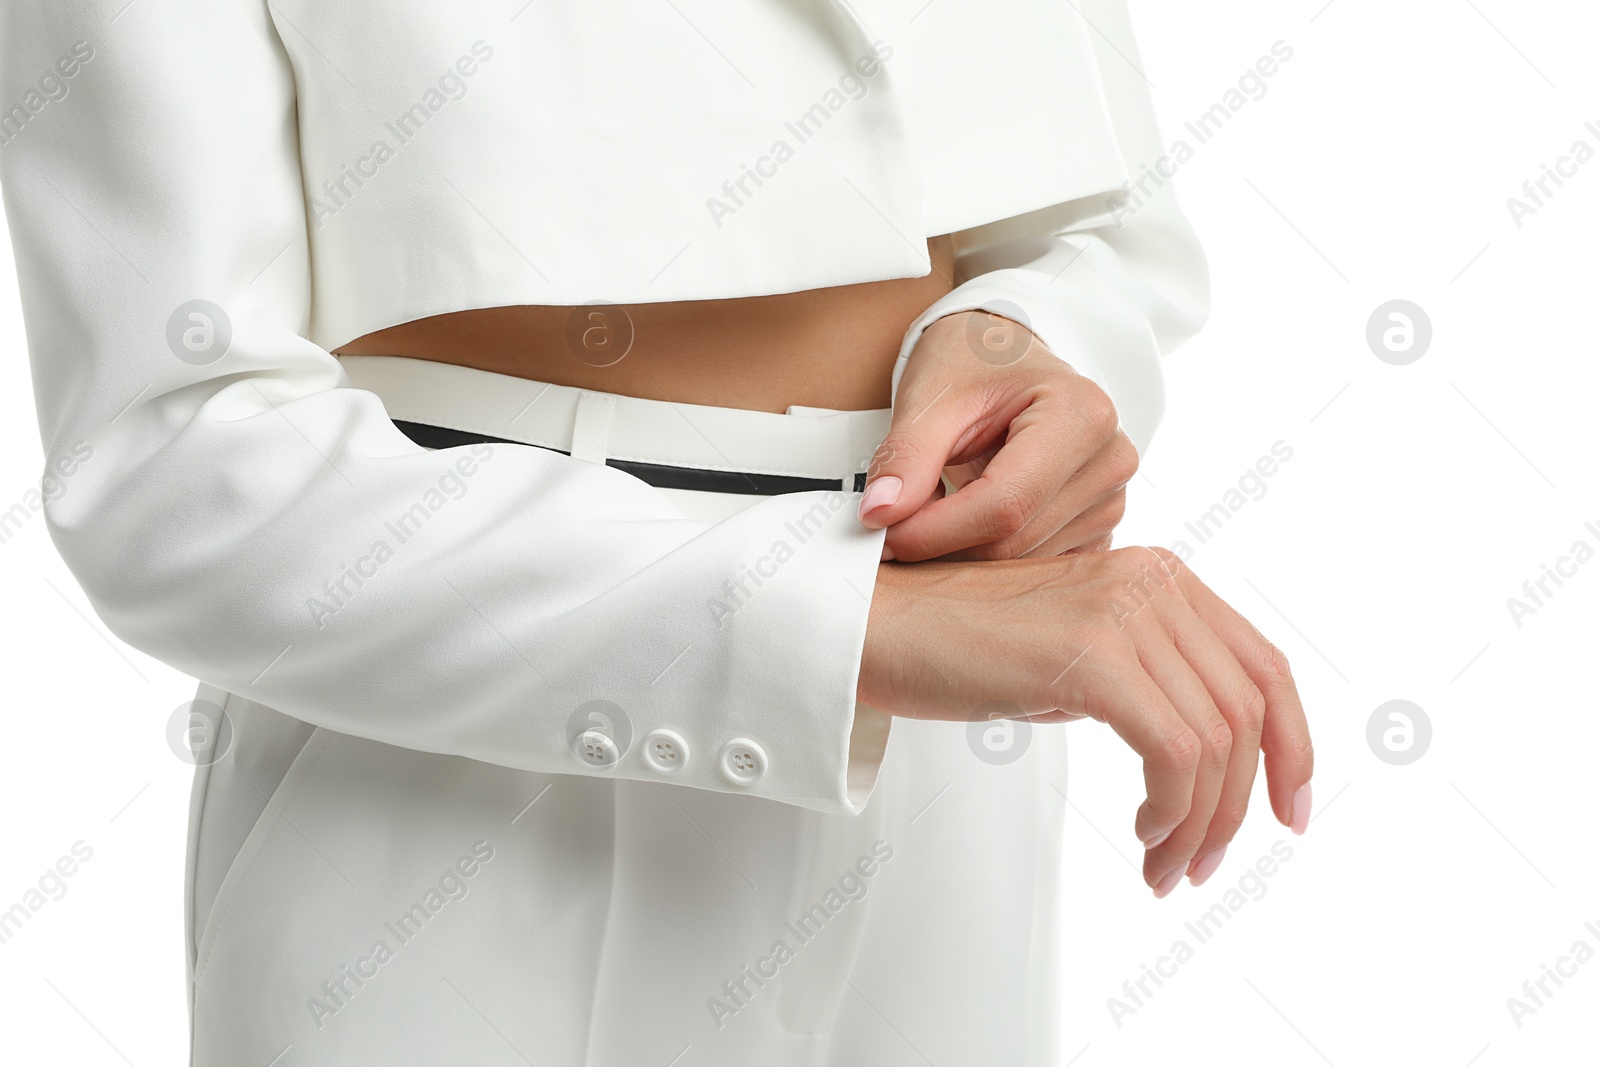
(595, 749)
(665, 752)
(742, 761)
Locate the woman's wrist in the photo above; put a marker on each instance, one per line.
(889, 601)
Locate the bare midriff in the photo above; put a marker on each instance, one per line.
(829, 348)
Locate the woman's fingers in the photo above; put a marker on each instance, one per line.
(1051, 716)
(1036, 423)
(990, 516)
(1285, 735)
(1243, 708)
(1090, 530)
(959, 474)
(1168, 860)
(1135, 707)
(1073, 507)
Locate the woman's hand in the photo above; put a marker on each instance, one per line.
(1032, 448)
(1129, 637)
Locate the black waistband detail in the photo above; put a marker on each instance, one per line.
(660, 475)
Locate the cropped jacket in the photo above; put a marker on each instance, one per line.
(205, 199)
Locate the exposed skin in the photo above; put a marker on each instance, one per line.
(1129, 637)
(828, 348)
(1070, 630)
(1033, 448)
(1006, 589)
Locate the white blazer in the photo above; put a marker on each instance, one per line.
(204, 199)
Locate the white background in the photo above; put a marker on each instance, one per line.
(1418, 499)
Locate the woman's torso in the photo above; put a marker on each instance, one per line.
(831, 348)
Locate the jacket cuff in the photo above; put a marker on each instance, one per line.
(804, 647)
(762, 700)
(869, 739)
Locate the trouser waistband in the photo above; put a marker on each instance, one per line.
(665, 443)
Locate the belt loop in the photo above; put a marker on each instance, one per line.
(591, 425)
(867, 431)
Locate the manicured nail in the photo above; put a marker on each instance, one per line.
(1156, 841)
(888, 553)
(881, 493)
(1207, 866)
(1300, 809)
(1170, 882)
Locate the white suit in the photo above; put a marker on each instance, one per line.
(205, 199)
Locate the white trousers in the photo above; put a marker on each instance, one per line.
(354, 903)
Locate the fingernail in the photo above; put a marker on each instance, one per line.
(881, 493)
(1170, 882)
(1154, 842)
(1300, 809)
(888, 554)
(1207, 866)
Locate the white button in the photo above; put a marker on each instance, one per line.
(595, 749)
(665, 752)
(742, 761)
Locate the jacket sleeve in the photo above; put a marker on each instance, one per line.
(1109, 283)
(234, 508)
